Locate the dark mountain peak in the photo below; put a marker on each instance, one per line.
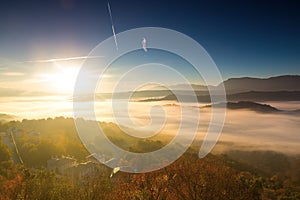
(284, 76)
(278, 83)
(269, 78)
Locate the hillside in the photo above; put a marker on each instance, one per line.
(235, 175)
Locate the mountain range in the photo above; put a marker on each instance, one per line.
(278, 83)
(245, 84)
(280, 88)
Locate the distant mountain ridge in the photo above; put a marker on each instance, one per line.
(243, 96)
(279, 88)
(278, 83)
(245, 84)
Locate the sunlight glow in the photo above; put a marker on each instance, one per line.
(63, 79)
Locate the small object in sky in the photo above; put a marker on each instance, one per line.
(112, 25)
(144, 44)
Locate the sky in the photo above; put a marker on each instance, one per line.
(244, 38)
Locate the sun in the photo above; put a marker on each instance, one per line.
(63, 79)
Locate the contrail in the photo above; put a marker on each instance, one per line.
(60, 59)
(52, 60)
(112, 25)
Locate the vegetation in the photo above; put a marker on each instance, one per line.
(214, 177)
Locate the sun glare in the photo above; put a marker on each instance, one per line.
(63, 80)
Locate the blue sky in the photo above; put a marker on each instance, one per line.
(245, 38)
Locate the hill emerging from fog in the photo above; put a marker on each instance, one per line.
(247, 105)
(279, 88)
(243, 96)
(246, 84)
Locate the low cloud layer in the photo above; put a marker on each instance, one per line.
(243, 129)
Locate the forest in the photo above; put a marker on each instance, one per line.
(229, 175)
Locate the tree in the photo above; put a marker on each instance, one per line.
(5, 154)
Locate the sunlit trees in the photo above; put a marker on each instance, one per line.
(10, 179)
(4, 152)
(213, 177)
(187, 178)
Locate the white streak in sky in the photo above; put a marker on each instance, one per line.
(60, 59)
(112, 25)
(144, 44)
(3, 65)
